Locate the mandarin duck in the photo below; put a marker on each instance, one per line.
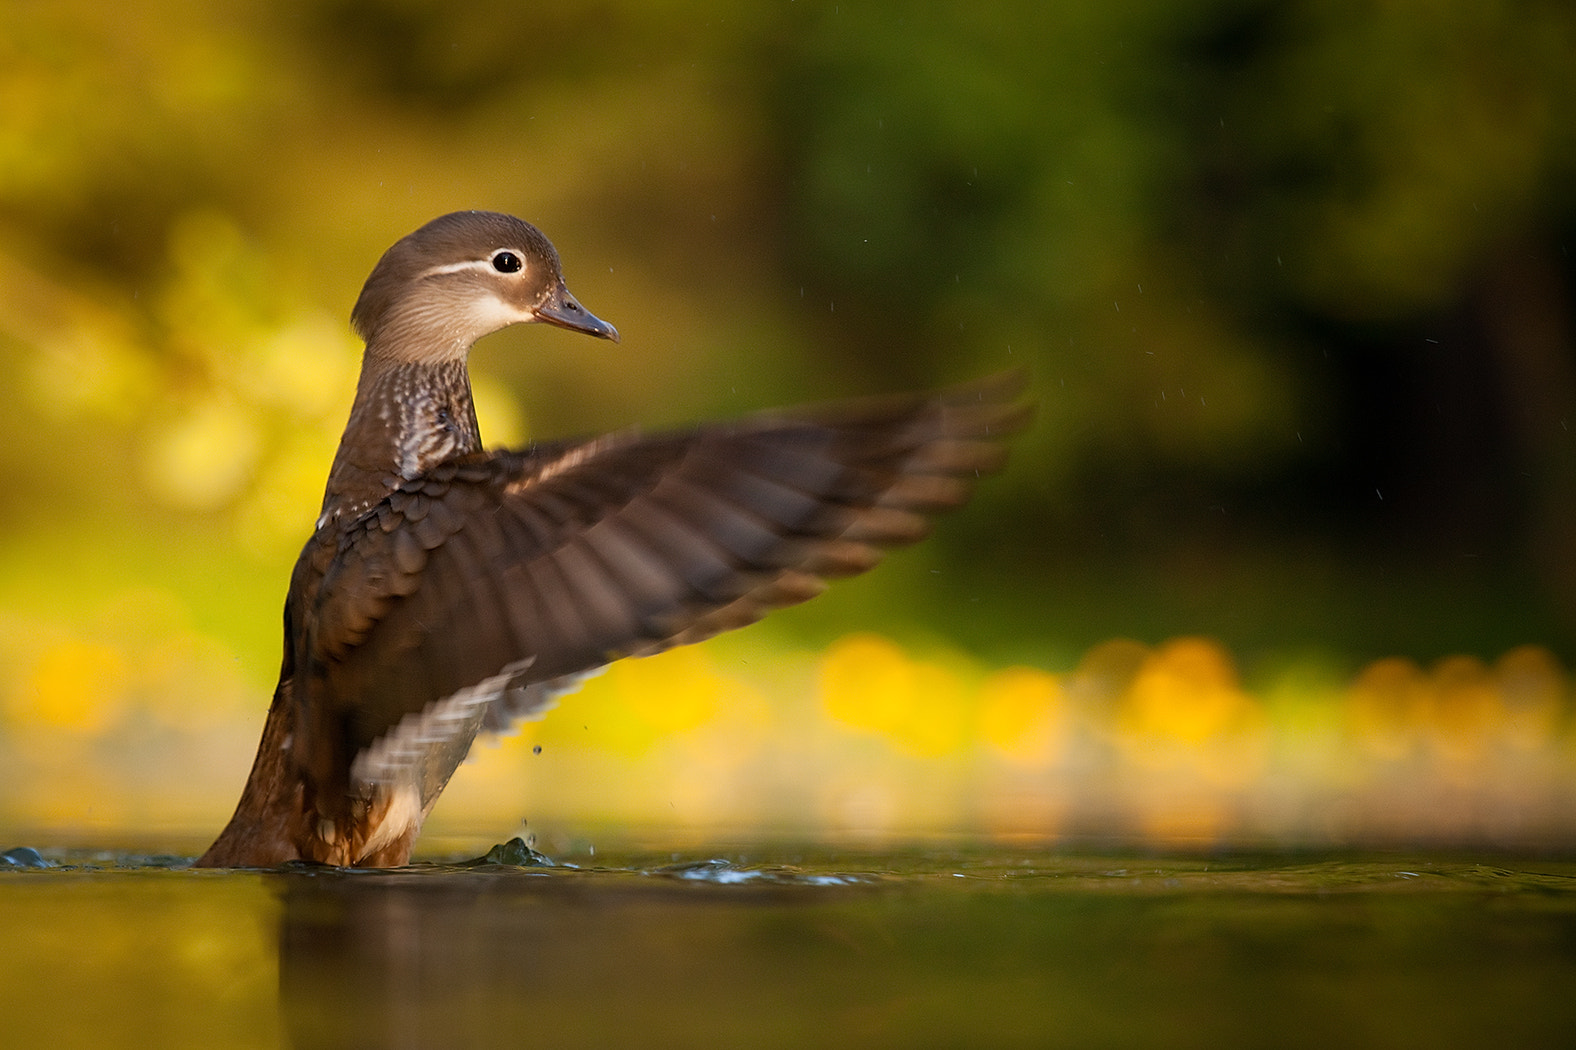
(449, 592)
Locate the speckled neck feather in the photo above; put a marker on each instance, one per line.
(407, 418)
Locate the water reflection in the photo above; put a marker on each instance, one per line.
(1010, 951)
(978, 947)
(468, 958)
(415, 960)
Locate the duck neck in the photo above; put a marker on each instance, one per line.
(407, 418)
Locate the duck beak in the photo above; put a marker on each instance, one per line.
(564, 310)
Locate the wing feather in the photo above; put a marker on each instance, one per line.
(483, 589)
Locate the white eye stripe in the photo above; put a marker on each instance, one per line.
(484, 265)
(459, 267)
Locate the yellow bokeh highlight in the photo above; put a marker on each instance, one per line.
(1385, 704)
(204, 458)
(671, 692)
(306, 368)
(1023, 714)
(868, 682)
(1534, 689)
(637, 703)
(1461, 713)
(1185, 714)
(1468, 711)
(1100, 681)
(1186, 692)
(278, 512)
(140, 716)
(74, 685)
(90, 366)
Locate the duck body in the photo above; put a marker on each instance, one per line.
(449, 591)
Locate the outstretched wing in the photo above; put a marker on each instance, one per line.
(474, 594)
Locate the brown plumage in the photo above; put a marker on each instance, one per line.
(449, 591)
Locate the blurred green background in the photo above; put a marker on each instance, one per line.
(1293, 279)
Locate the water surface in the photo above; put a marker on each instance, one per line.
(779, 947)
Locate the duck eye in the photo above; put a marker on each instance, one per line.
(507, 262)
